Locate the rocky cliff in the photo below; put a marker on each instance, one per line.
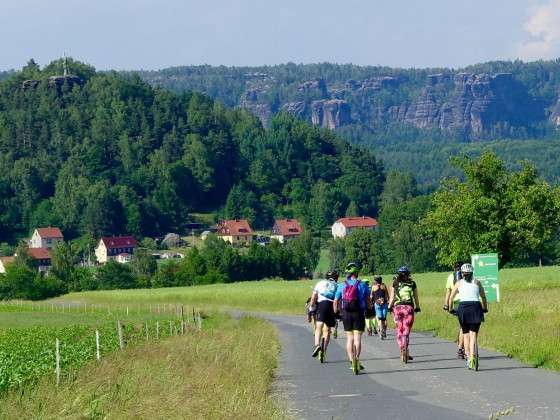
(466, 104)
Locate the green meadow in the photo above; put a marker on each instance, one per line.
(525, 324)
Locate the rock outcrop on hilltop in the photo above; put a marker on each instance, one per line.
(466, 103)
(331, 113)
(254, 100)
(489, 100)
(477, 103)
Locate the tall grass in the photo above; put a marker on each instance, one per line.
(218, 373)
(525, 324)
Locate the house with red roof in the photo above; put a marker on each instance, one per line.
(286, 229)
(46, 237)
(236, 232)
(115, 248)
(342, 227)
(42, 258)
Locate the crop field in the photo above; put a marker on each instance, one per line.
(35, 328)
(525, 324)
(170, 378)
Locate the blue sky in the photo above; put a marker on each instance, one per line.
(153, 34)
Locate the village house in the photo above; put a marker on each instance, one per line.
(342, 227)
(115, 248)
(236, 232)
(42, 258)
(46, 238)
(4, 262)
(286, 229)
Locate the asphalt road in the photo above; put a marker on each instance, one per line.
(435, 385)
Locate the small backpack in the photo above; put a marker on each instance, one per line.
(350, 298)
(330, 290)
(405, 293)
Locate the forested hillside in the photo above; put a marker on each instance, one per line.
(413, 118)
(104, 153)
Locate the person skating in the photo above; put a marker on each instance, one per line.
(371, 321)
(470, 312)
(452, 279)
(351, 299)
(380, 299)
(404, 303)
(323, 297)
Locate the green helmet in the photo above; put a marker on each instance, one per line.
(352, 268)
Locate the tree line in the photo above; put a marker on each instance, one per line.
(215, 262)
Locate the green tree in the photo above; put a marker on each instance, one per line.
(64, 258)
(493, 210)
(305, 253)
(113, 275)
(360, 245)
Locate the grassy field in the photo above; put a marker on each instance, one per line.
(205, 374)
(525, 325)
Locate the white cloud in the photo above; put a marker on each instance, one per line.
(543, 24)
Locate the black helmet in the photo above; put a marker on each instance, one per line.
(332, 275)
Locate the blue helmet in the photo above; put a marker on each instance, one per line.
(403, 270)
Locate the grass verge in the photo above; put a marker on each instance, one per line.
(222, 372)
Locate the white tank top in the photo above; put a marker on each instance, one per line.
(469, 292)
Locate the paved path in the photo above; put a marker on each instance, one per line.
(435, 385)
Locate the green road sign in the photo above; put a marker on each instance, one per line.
(486, 271)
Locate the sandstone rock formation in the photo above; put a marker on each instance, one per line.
(332, 113)
(254, 101)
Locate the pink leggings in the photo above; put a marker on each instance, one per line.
(404, 318)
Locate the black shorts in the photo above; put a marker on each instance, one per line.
(325, 313)
(470, 327)
(354, 321)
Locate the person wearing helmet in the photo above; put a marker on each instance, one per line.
(371, 321)
(452, 279)
(471, 310)
(380, 299)
(404, 303)
(352, 299)
(323, 296)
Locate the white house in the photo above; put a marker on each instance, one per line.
(111, 247)
(123, 258)
(342, 227)
(286, 229)
(4, 261)
(46, 238)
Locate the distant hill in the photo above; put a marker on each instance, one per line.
(414, 119)
(484, 101)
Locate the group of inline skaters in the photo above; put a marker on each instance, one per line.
(361, 308)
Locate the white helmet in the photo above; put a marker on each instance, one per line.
(467, 268)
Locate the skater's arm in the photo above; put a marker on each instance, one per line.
(452, 294)
(482, 296)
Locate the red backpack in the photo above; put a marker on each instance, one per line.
(350, 298)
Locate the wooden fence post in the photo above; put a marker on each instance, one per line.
(98, 350)
(147, 337)
(121, 338)
(57, 362)
(199, 320)
(157, 330)
(170, 328)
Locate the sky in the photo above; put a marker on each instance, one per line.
(154, 34)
